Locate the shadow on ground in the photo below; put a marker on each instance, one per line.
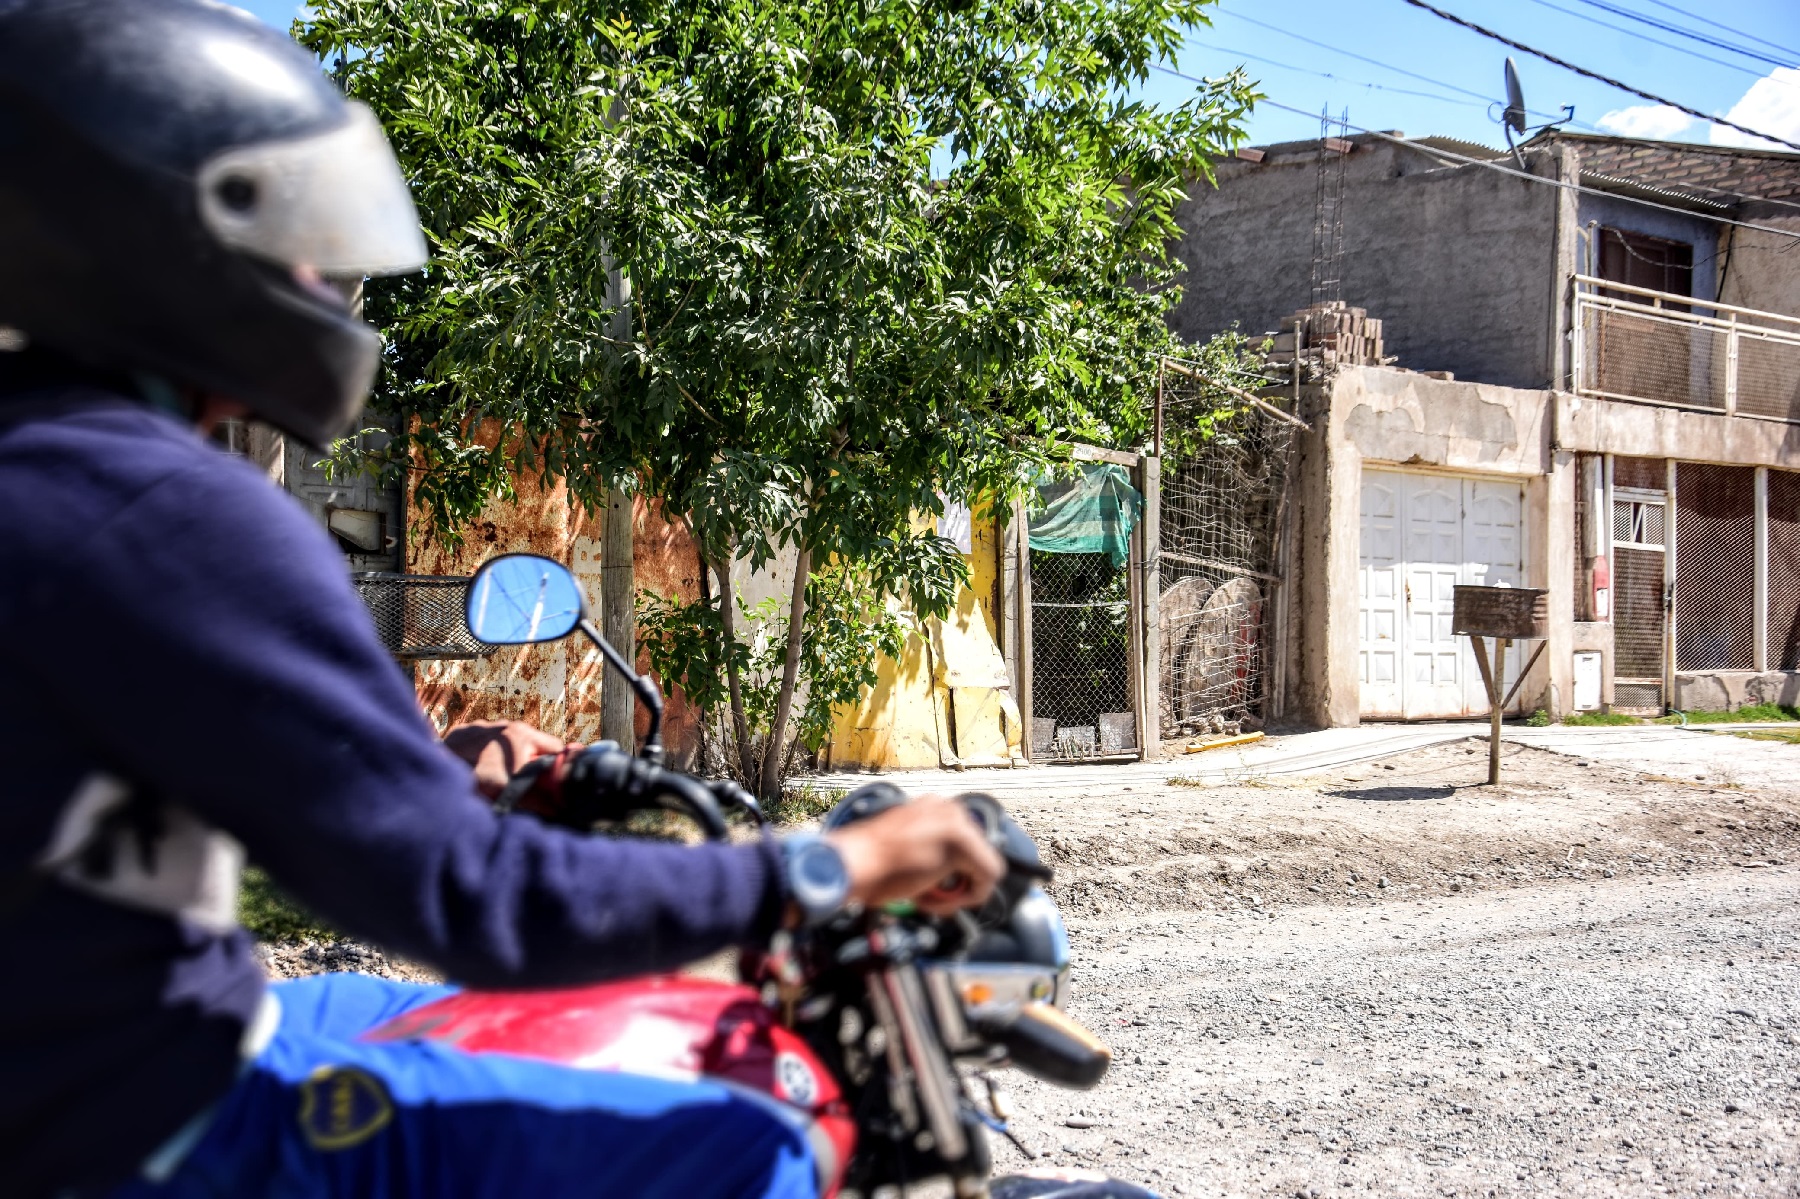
(1395, 794)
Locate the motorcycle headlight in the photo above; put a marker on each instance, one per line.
(1033, 935)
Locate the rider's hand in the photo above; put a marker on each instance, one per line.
(497, 748)
(906, 852)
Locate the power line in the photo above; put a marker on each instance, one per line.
(1386, 66)
(1596, 76)
(1694, 16)
(1288, 66)
(1608, 25)
(1491, 165)
(1666, 27)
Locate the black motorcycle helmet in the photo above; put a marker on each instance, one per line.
(177, 183)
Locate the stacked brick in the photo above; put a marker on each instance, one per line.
(1333, 333)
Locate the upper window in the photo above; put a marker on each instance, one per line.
(1637, 260)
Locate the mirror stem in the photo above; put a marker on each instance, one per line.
(646, 690)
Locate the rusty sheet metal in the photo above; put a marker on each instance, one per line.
(1520, 613)
(555, 686)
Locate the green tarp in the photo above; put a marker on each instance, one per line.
(1091, 514)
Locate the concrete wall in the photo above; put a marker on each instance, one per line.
(1762, 270)
(1386, 417)
(1650, 431)
(1457, 261)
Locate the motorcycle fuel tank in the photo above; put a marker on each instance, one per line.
(668, 1026)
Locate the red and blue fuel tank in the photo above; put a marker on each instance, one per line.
(664, 1025)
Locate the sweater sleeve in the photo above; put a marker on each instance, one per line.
(208, 637)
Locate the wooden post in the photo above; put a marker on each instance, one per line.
(1491, 681)
(1150, 735)
(1023, 546)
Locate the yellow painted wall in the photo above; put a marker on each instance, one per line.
(905, 721)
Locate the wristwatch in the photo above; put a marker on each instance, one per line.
(818, 884)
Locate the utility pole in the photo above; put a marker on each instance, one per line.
(618, 584)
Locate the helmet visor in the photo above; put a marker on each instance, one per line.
(335, 202)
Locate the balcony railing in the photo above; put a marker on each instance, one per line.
(1632, 343)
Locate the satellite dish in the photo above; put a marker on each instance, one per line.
(1514, 117)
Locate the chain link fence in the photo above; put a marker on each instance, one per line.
(1220, 521)
(1784, 570)
(1080, 657)
(1768, 376)
(1639, 344)
(1715, 567)
(1658, 358)
(421, 616)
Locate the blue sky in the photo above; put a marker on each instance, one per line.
(1265, 36)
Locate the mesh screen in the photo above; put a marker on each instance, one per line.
(421, 616)
(1220, 519)
(1784, 570)
(1638, 697)
(1715, 564)
(1646, 474)
(1080, 657)
(1637, 613)
(1768, 377)
(1639, 522)
(1578, 583)
(1654, 358)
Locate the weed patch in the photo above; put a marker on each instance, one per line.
(1599, 718)
(802, 803)
(1747, 714)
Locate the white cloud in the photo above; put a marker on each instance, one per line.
(1646, 120)
(1772, 105)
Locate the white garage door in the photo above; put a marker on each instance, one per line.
(1422, 535)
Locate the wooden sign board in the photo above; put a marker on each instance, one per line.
(1515, 613)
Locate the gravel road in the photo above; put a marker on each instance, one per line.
(1397, 981)
(1612, 1037)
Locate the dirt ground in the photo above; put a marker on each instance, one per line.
(1392, 979)
(1396, 980)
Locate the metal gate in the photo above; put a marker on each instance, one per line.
(1422, 536)
(1640, 584)
(1081, 645)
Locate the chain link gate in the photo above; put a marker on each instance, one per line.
(1715, 567)
(1081, 657)
(1221, 513)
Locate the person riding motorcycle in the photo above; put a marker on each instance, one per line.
(188, 678)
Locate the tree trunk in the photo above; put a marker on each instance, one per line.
(790, 677)
(618, 620)
(740, 724)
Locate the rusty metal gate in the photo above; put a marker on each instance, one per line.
(1224, 476)
(1640, 586)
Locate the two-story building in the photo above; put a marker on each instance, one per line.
(1594, 388)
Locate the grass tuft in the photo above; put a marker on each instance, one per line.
(1607, 718)
(269, 914)
(802, 803)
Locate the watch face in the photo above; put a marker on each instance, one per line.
(821, 869)
(818, 879)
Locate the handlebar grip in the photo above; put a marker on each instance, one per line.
(1047, 1043)
(693, 799)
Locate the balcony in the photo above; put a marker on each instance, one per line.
(1654, 347)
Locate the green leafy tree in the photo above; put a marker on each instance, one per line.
(874, 253)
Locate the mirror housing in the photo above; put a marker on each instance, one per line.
(520, 599)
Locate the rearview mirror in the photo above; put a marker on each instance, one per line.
(520, 598)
